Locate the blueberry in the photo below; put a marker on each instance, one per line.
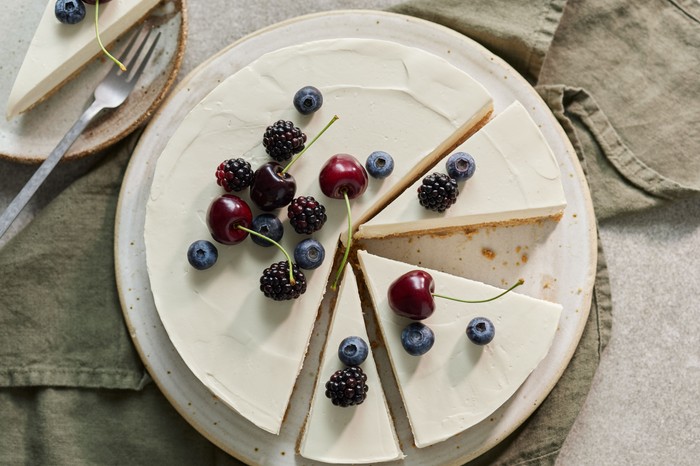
(379, 164)
(353, 351)
(480, 330)
(417, 339)
(309, 254)
(460, 166)
(307, 100)
(202, 254)
(267, 225)
(70, 11)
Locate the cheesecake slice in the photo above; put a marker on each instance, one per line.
(457, 383)
(58, 51)
(358, 434)
(517, 179)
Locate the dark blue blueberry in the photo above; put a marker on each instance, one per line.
(267, 225)
(202, 254)
(307, 100)
(379, 164)
(460, 166)
(353, 351)
(70, 11)
(309, 254)
(480, 330)
(417, 339)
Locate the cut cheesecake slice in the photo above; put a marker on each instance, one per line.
(457, 384)
(58, 50)
(517, 178)
(389, 97)
(358, 434)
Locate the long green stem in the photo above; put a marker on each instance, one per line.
(279, 246)
(347, 246)
(99, 41)
(296, 157)
(520, 282)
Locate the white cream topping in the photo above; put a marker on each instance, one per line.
(389, 97)
(516, 177)
(59, 50)
(457, 383)
(357, 434)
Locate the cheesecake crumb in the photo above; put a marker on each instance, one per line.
(488, 253)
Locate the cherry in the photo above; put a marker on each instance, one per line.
(343, 174)
(411, 295)
(272, 188)
(225, 215)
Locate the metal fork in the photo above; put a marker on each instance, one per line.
(110, 93)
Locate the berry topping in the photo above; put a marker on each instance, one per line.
(272, 189)
(379, 164)
(309, 254)
(234, 175)
(343, 175)
(307, 100)
(226, 213)
(480, 331)
(275, 282)
(347, 387)
(460, 166)
(69, 11)
(269, 226)
(411, 295)
(202, 254)
(353, 351)
(437, 192)
(282, 140)
(306, 214)
(417, 339)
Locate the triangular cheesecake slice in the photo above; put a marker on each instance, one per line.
(357, 434)
(517, 178)
(58, 50)
(457, 383)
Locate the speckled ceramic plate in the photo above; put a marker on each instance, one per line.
(30, 137)
(557, 260)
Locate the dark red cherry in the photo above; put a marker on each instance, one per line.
(226, 213)
(341, 174)
(411, 295)
(272, 189)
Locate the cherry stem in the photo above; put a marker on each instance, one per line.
(296, 157)
(284, 251)
(99, 41)
(520, 282)
(347, 246)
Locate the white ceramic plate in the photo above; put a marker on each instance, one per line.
(31, 136)
(557, 260)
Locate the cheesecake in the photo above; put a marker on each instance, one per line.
(457, 383)
(58, 51)
(517, 179)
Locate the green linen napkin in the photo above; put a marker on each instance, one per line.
(72, 386)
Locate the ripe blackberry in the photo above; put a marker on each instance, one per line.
(306, 214)
(437, 192)
(282, 140)
(347, 387)
(234, 175)
(274, 282)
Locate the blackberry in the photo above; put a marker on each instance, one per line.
(282, 140)
(437, 192)
(347, 387)
(306, 214)
(234, 175)
(274, 282)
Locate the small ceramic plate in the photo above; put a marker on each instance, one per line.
(557, 260)
(30, 137)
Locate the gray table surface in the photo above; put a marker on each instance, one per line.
(642, 408)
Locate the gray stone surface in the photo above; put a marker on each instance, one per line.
(642, 409)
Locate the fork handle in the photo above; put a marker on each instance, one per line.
(47, 166)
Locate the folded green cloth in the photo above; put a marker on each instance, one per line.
(617, 78)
